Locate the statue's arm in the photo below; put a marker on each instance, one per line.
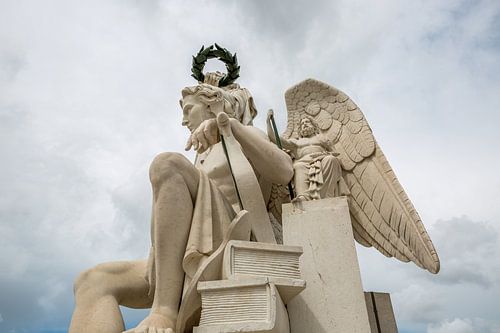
(289, 144)
(270, 162)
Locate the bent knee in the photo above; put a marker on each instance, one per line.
(82, 281)
(94, 279)
(331, 160)
(87, 280)
(166, 165)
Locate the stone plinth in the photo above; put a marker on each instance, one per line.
(278, 263)
(333, 300)
(250, 305)
(258, 280)
(380, 313)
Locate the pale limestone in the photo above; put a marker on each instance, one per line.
(317, 170)
(198, 212)
(278, 263)
(336, 153)
(333, 300)
(259, 279)
(249, 305)
(372, 316)
(192, 205)
(383, 312)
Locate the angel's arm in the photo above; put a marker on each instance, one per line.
(286, 144)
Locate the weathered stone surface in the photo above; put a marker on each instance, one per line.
(278, 263)
(372, 317)
(194, 207)
(340, 156)
(333, 300)
(250, 305)
(380, 312)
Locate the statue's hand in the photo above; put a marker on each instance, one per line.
(223, 122)
(213, 78)
(205, 136)
(270, 114)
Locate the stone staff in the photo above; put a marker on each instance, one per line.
(278, 143)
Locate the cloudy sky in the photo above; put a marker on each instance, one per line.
(89, 95)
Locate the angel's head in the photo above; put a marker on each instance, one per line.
(308, 127)
(196, 101)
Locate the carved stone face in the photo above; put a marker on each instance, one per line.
(194, 112)
(307, 128)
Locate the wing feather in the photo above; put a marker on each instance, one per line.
(363, 237)
(278, 196)
(381, 212)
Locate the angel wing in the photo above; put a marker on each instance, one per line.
(381, 212)
(279, 195)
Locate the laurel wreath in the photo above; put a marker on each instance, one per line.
(230, 60)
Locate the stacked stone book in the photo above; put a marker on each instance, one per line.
(258, 280)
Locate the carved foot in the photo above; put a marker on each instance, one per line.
(300, 198)
(154, 323)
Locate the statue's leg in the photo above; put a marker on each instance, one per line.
(99, 291)
(175, 184)
(332, 172)
(300, 177)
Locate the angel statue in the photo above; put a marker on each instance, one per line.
(335, 153)
(196, 210)
(317, 171)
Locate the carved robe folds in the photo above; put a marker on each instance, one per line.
(324, 175)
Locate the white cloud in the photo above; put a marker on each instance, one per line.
(416, 303)
(455, 326)
(467, 285)
(54, 289)
(467, 250)
(466, 325)
(89, 94)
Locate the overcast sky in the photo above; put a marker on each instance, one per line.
(89, 95)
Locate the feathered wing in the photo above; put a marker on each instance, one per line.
(381, 212)
(279, 195)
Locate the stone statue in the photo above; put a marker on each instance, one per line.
(335, 153)
(197, 209)
(193, 206)
(317, 171)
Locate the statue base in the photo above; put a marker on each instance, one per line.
(380, 312)
(258, 279)
(250, 305)
(333, 300)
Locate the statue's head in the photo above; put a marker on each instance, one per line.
(195, 104)
(308, 127)
(196, 101)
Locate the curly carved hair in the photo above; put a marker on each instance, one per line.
(238, 102)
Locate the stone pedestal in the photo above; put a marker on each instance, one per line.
(333, 300)
(278, 263)
(380, 313)
(258, 280)
(251, 305)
